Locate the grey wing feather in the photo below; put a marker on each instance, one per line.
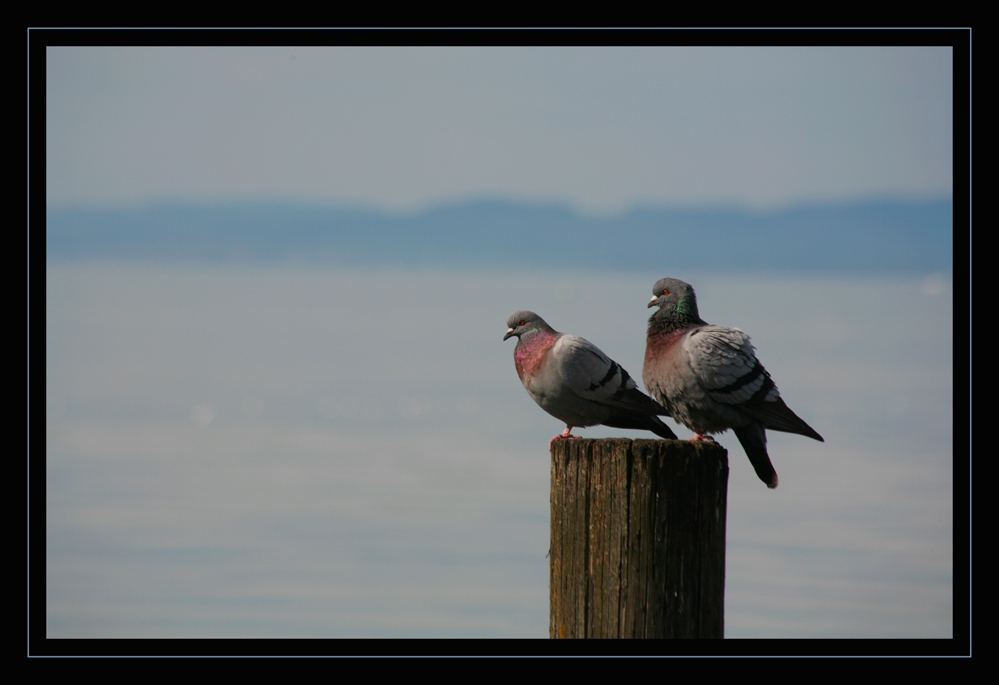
(726, 366)
(594, 376)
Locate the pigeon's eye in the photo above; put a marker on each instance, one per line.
(522, 322)
(665, 291)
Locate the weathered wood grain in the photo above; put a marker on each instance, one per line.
(637, 538)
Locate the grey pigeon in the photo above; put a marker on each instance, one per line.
(709, 378)
(571, 379)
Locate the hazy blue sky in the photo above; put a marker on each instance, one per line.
(401, 128)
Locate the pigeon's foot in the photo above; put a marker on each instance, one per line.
(564, 435)
(700, 436)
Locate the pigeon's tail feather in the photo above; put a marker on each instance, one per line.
(642, 422)
(661, 429)
(754, 442)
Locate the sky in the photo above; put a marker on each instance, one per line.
(602, 129)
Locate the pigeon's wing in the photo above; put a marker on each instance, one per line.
(723, 362)
(595, 377)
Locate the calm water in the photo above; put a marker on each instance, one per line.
(292, 452)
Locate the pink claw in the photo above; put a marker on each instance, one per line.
(567, 433)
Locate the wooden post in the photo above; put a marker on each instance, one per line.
(637, 538)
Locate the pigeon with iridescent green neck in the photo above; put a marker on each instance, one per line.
(709, 379)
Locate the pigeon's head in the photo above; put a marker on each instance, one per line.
(523, 322)
(673, 295)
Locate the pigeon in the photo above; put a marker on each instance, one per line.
(709, 379)
(571, 379)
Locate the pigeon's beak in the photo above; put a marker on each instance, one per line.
(509, 333)
(653, 302)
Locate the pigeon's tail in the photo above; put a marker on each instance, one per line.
(754, 442)
(661, 429)
(647, 422)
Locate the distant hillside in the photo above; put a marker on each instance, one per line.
(860, 237)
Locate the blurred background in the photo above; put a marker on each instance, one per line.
(277, 279)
